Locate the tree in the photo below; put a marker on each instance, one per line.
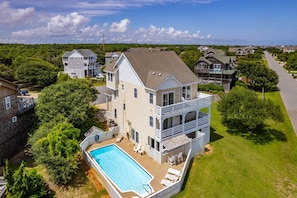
(24, 183)
(258, 74)
(58, 151)
(243, 106)
(70, 99)
(37, 72)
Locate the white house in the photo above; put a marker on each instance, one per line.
(156, 103)
(80, 63)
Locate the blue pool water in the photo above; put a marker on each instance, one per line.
(121, 169)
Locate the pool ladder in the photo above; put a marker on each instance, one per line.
(149, 191)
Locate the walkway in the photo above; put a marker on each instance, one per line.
(288, 89)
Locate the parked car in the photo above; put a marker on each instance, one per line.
(100, 76)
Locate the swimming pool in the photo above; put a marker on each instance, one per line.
(122, 170)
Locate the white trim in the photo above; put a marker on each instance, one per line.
(7, 102)
(14, 119)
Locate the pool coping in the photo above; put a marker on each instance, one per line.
(113, 183)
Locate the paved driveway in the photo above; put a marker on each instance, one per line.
(288, 89)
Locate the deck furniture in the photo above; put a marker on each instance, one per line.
(173, 171)
(180, 158)
(137, 148)
(172, 160)
(166, 182)
(172, 178)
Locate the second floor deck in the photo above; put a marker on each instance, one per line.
(202, 100)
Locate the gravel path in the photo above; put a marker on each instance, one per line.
(288, 89)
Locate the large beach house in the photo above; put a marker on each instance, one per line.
(156, 104)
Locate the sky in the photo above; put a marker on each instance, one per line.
(201, 22)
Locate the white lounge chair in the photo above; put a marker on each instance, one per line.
(171, 177)
(173, 171)
(166, 182)
(137, 148)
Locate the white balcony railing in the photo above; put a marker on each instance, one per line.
(181, 129)
(203, 100)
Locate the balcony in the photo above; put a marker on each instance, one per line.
(202, 100)
(183, 128)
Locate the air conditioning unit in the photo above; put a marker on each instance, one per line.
(14, 119)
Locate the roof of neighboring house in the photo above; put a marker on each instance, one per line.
(8, 84)
(154, 67)
(203, 59)
(110, 54)
(83, 52)
(224, 59)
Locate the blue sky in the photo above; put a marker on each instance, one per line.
(202, 22)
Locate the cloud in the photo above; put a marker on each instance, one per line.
(66, 25)
(13, 17)
(120, 27)
(59, 25)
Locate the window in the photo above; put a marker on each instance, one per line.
(151, 121)
(115, 113)
(152, 143)
(124, 106)
(151, 98)
(14, 119)
(7, 102)
(168, 99)
(109, 77)
(186, 92)
(135, 93)
(122, 86)
(135, 136)
(158, 146)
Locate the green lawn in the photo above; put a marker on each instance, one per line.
(246, 167)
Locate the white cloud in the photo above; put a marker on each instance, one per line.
(12, 17)
(66, 25)
(120, 27)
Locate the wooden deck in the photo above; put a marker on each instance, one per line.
(158, 171)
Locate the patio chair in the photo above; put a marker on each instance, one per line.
(180, 157)
(173, 171)
(137, 148)
(172, 160)
(172, 178)
(166, 182)
(119, 137)
(141, 150)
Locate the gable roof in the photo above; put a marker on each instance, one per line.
(83, 52)
(154, 67)
(8, 84)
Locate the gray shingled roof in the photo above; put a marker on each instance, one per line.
(83, 52)
(154, 67)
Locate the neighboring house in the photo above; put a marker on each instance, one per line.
(111, 57)
(288, 49)
(80, 63)
(16, 118)
(216, 68)
(242, 51)
(155, 103)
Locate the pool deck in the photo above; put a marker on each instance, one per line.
(158, 171)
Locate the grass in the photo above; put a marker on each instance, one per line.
(242, 167)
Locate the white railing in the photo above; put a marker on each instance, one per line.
(169, 191)
(181, 129)
(203, 120)
(202, 101)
